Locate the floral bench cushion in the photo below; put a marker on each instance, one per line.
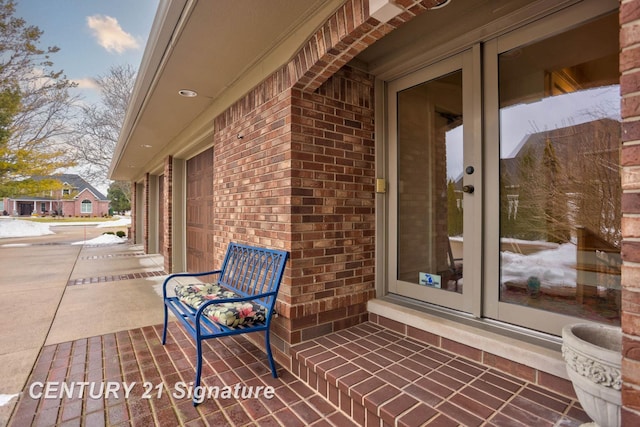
(230, 314)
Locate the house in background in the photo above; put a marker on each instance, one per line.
(75, 197)
(332, 128)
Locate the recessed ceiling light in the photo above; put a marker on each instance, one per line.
(146, 145)
(188, 93)
(442, 4)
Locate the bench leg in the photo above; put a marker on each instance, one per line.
(164, 331)
(267, 344)
(196, 384)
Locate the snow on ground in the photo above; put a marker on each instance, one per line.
(105, 239)
(553, 264)
(12, 227)
(6, 398)
(555, 267)
(19, 228)
(121, 222)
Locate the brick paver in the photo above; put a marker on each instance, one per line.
(393, 380)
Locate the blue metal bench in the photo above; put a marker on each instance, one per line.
(253, 277)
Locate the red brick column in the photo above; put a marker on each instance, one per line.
(630, 161)
(134, 215)
(167, 212)
(145, 210)
(332, 206)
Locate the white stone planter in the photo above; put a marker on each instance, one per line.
(593, 354)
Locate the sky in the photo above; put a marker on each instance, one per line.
(520, 120)
(92, 35)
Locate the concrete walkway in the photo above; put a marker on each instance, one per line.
(54, 292)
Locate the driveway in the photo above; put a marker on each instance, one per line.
(53, 292)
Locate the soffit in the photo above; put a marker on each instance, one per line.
(208, 46)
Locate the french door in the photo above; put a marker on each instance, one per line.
(504, 196)
(435, 175)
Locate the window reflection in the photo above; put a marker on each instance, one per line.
(430, 234)
(559, 173)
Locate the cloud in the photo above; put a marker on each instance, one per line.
(86, 83)
(110, 34)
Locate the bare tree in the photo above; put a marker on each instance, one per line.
(567, 177)
(99, 128)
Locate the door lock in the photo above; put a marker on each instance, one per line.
(468, 189)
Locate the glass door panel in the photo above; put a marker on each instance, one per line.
(560, 194)
(430, 179)
(428, 198)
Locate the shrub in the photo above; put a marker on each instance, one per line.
(120, 233)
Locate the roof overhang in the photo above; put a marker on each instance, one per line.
(217, 48)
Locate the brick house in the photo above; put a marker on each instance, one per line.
(76, 197)
(332, 129)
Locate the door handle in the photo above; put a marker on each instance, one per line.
(468, 189)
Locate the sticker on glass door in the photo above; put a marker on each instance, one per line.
(431, 280)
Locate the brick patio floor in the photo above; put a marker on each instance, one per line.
(366, 373)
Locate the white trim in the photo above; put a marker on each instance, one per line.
(77, 196)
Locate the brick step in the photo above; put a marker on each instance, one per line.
(379, 377)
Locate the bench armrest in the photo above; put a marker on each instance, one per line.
(186, 274)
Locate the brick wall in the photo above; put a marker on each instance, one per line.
(134, 214)
(252, 180)
(167, 215)
(74, 207)
(161, 215)
(145, 212)
(630, 160)
(333, 216)
(295, 170)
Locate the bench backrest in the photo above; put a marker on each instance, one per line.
(249, 270)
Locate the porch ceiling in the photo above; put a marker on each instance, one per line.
(218, 48)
